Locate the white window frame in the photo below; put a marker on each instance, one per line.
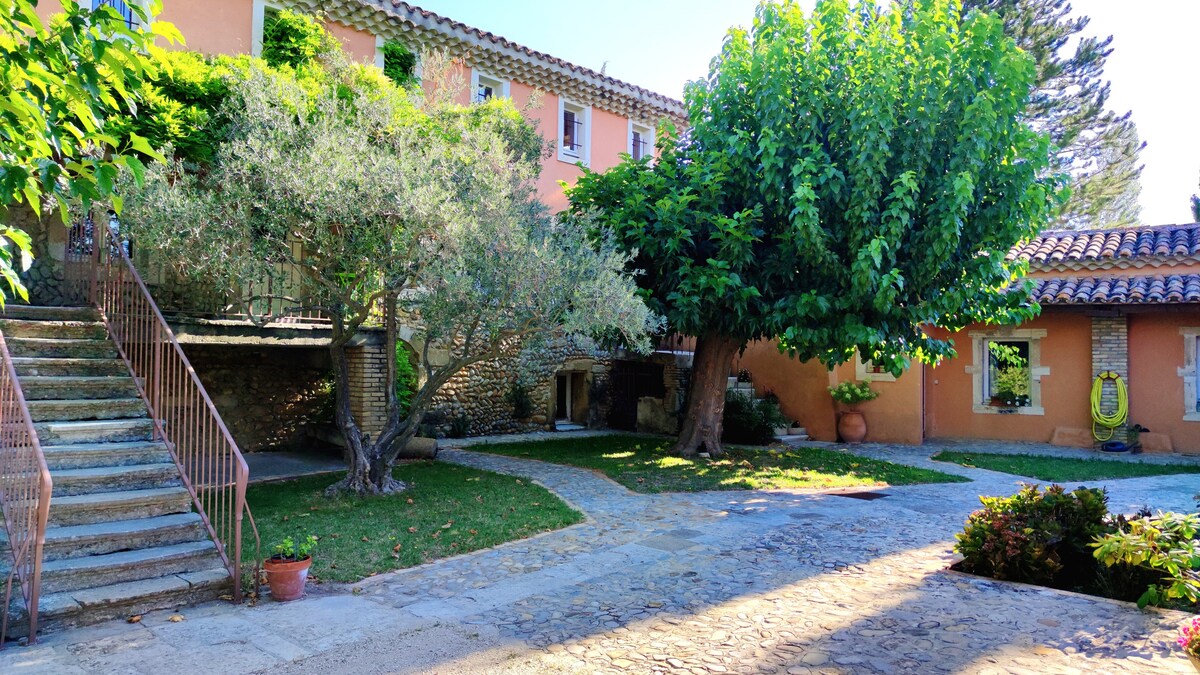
(979, 366)
(863, 373)
(647, 133)
(258, 23)
(584, 153)
(1189, 371)
(379, 42)
(144, 4)
(499, 85)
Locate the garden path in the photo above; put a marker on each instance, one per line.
(708, 582)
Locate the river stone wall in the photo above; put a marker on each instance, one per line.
(269, 397)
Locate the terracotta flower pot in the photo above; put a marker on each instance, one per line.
(852, 426)
(287, 577)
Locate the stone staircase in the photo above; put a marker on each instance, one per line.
(123, 537)
(747, 389)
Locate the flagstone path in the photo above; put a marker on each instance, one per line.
(710, 582)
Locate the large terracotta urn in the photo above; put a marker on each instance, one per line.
(852, 426)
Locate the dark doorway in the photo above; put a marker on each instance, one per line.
(630, 381)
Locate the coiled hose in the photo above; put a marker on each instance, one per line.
(1118, 416)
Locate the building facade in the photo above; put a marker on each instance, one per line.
(589, 118)
(1124, 301)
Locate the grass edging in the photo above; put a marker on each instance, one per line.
(1061, 469)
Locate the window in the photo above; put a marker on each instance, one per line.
(1007, 371)
(866, 371)
(263, 12)
(641, 140)
(484, 87)
(123, 8)
(1188, 371)
(574, 132)
(1007, 376)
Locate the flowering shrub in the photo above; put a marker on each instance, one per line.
(1034, 536)
(1189, 638)
(850, 392)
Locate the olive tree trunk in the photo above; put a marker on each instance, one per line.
(701, 430)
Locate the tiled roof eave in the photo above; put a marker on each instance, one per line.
(391, 19)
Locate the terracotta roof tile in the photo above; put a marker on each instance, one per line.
(409, 12)
(1113, 290)
(1101, 245)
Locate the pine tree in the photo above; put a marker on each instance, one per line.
(1097, 146)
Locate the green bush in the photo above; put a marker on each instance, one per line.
(406, 378)
(1164, 548)
(749, 421)
(1035, 536)
(294, 39)
(522, 404)
(399, 63)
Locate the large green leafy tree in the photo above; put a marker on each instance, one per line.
(1098, 147)
(375, 206)
(63, 82)
(848, 178)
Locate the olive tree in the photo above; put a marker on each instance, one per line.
(848, 178)
(381, 206)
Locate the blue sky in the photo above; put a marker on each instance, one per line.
(661, 44)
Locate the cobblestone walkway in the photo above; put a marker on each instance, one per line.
(709, 582)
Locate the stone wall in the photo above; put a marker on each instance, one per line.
(269, 397)
(482, 391)
(44, 278)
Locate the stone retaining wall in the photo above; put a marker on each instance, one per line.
(268, 396)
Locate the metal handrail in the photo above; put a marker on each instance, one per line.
(25, 487)
(210, 463)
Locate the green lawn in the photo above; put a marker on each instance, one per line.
(447, 510)
(643, 465)
(1062, 470)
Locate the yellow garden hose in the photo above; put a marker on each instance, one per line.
(1118, 417)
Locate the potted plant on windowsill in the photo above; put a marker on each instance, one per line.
(287, 568)
(852, 426)
(1008, 402)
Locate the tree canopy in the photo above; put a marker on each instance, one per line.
(64, 82)
(849, 178)
(1098, 147)
(375, 203)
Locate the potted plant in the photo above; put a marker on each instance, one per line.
(852, 426)
(287, 568)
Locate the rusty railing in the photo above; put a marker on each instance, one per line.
(25, 487)
(99, 270)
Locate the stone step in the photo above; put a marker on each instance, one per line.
(88, 455)
(26, 328)
(100, 507)
(71, 541)
(94, 431)
(70, 609)
(51, 410)
(40, 313)
(66, 348)
(72, 574)
(61, 367)
(42, 388)
(114, 478)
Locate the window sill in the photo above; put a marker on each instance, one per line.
(1191, 417)
(997, 410)
(568, 158)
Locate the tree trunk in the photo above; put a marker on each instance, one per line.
(701, 430)
(367, 471)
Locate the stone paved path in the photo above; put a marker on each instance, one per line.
(708, 582)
